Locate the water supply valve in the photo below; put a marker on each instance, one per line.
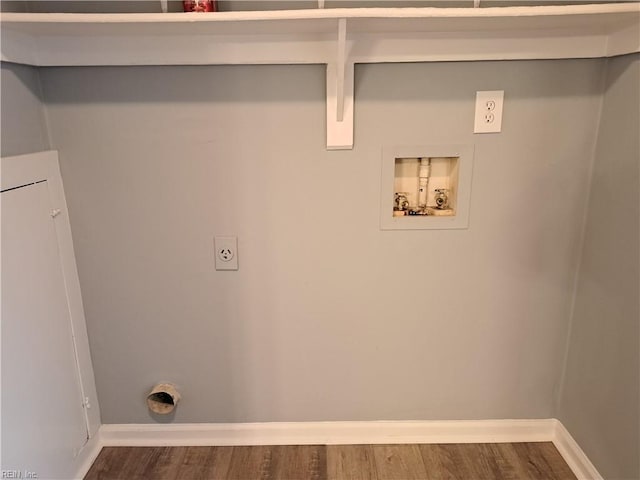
(401, 201)
(442, 199)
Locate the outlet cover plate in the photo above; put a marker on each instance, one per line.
(226, 252)
(488, 118)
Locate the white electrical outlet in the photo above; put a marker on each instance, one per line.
(226, 250)
(488, 111)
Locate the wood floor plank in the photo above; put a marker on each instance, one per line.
(476, 460)
(444, 462)
(257, 463)
(108, 464)
(204, 463)
(166, 463)
(101, 463)
(123, 462)
(560, 468)
(489, 461)
(141, 462)
(399, 462)
(543, 461)
(351, 462)
(505, 462)
(116, 463)
(301, 462)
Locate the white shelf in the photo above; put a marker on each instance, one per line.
(336, 37)
(191, 38)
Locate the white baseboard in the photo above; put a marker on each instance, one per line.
(573, 454)
(329, 433)
(88, 455)
(344, 433)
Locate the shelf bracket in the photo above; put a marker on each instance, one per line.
(340, 95)
(341, 59)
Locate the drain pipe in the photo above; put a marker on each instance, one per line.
(423, 181)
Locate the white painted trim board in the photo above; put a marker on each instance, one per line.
(328, 433)
(574, 455)
(87, 456)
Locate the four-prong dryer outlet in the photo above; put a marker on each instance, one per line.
(226, 252)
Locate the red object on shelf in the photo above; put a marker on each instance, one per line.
(200, 6)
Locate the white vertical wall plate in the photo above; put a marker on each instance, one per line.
(464, 154)
(488, 118)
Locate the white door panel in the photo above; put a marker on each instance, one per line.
(43, 419)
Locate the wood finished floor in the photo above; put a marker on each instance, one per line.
(487, 461)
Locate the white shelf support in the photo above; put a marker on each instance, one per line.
(341, 59)
(340, 95)
(340, 132)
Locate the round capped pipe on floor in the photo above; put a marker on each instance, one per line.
(163, 398)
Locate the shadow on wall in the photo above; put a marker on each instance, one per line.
(545, 84)
(25, 75)
(24, 128)
(170, 84)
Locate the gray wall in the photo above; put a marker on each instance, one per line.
(328, 318)
(22, 125)
(600, 399)
(140, 6)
